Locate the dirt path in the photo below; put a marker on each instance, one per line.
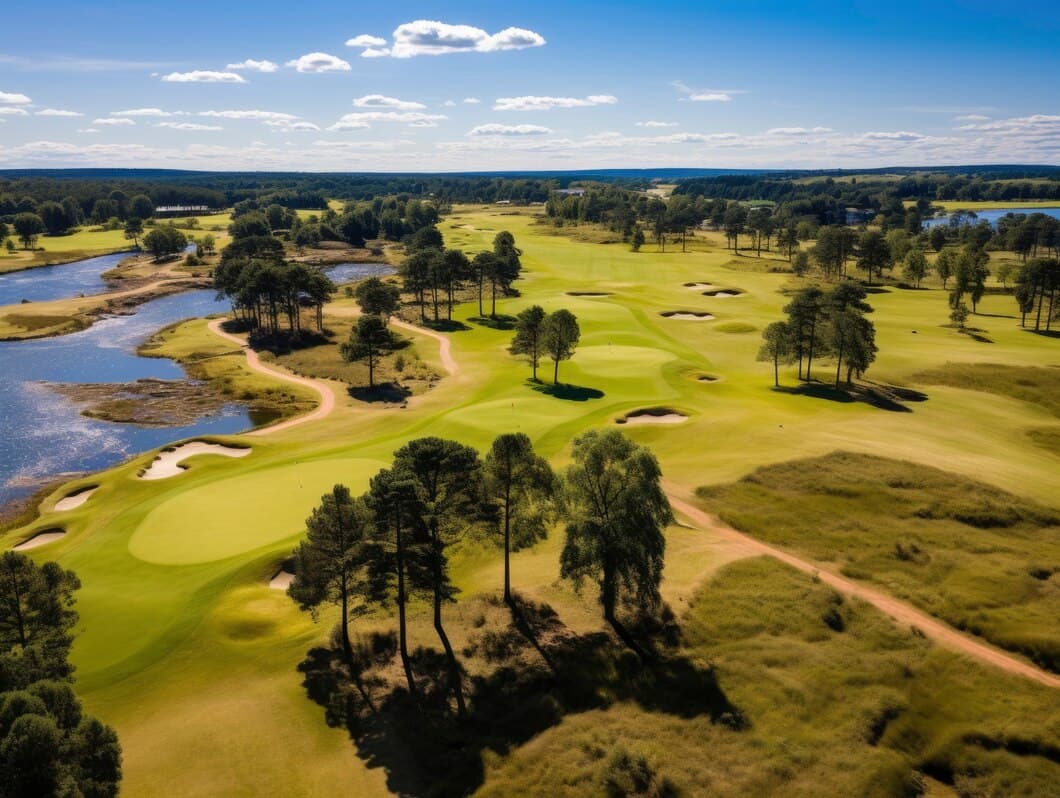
(445, 350)
(323, 390)
(902, 613)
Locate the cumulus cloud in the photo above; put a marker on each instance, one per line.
(203, 76)
(10, 98)
(287, 125)
(430, 37)
(382, 101)
(449, 104)
(11, 110)
(535, 103)
(797, 131)
(508, 130)
(375, 52)
(653, 123)
(319, 62)
(366, 40)
(892, 135)
(362, 119)
(113, 122)
(143, 112)
(1019, 124)
(705, 95)
(249, 114)
(472, 100)
(57, 112)
(254, 66)
(188, 126)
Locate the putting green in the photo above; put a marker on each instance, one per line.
(241, 514)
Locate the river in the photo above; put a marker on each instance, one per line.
(43, 434)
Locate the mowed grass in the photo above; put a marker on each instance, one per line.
(194, 662)
(85, 243)
(981, 559)
(836, 701)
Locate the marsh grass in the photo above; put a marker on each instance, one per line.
(960, 549)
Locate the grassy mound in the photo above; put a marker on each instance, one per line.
(969, 553)
(1036, 384)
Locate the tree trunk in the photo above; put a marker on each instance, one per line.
(480, 294)
(838, 365)
(507, 544)
(493, 299)
(809, 355)
(402, 599)
(608, 599)
(555, 372)
(347, 649)
(776, 371)
(454, 669)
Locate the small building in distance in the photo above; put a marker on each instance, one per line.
(859, 215)
(570, 192)
(163, 211)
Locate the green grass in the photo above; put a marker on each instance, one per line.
(187, 653)
(977, 557)
(85, 243)
(1034, 384)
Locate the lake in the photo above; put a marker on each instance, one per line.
(993, 215)
(45, 283)
(43, 434)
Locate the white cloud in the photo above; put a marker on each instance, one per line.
(430, 37)
(382, 101)
(534, 103)
(375, 52)
(423, 123)
(366, 40)
(188, 126)
(653, 123)
(87, 130)
(254, 66)
(797, 131)
(705, 95)
(203, 76)
(449, 104)
(362, 119)
(9, 98)
(249, 114)
(472, 100)
(287, 125)
(971, 118)
(57, 112)
(11, 110)
(319, 62)
(113, 122)
(142, 112)
(508, 130)
(892, 135)
(360, 145)
(1020, 124)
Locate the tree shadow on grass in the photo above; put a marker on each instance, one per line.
(426, 750)
(387, 392)
(498, 322)
(570, 393)
(1046, 333)
(885, 397)
(445, 325)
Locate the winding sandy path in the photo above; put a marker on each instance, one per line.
(323, 390)
(901, 613)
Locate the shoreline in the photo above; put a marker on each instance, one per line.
(61, 259)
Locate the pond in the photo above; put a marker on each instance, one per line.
(45, 283)
(993, 215)
(43, 434)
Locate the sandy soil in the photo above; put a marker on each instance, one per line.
(647, 418)
(900, 612)
(40, 539)
(74, 500)
(690, 317)
(167, 464)
(281, 580)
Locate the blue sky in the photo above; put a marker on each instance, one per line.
(490, 85)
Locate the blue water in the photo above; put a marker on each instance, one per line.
(58, 282)
(44, 434)
(993, 216)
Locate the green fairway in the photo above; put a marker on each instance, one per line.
(185, 650)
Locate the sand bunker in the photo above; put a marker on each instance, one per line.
(653, 415)
(282, 579)
(40, 539)
(723, 293)
(707, 378)
(687, 315)
(169, 463)
(75, 499)
(694, 286)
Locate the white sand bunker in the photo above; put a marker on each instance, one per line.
(687, 315)
(40, 539)
(696, 286)
(282, 579)
(75, 499)
(169, 463)
(723, 293)
(653, 415)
